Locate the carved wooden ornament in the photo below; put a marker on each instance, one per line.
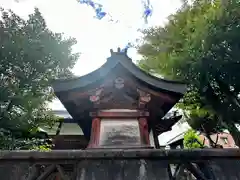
(144, 97)
(119, 83)
(96, 96)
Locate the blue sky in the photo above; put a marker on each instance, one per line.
(95, 37)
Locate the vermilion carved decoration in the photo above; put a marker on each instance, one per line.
(144, 98)
(164, 96)
(95, 97)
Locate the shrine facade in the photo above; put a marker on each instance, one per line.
(120, 104)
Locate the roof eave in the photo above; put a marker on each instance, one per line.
(115, 59)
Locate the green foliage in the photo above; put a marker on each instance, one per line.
(10, 142)
(200, 46)
(31, 57)
(191, 140)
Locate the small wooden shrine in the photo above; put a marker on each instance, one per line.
(120, 104)
(65, 133)
(119, 107)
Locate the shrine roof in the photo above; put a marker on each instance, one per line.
(118, 58)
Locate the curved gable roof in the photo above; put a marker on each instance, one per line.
(118, 58)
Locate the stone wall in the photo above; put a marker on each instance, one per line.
(139, 164)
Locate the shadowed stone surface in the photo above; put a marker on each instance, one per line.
(123, 170)
(226, 169)
(135, 164)
(14, 171)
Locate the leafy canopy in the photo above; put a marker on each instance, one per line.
(191, 140)
(31, 57)
(200, 46)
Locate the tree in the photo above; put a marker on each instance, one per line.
(200, 45)
(31, 57)
(191, 140)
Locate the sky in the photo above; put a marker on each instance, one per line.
(95, 37)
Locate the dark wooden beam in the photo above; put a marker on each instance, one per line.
(34, 173)
(155, 138)
(196, 172)
(122, 114)
(47, 172)
(62, 173)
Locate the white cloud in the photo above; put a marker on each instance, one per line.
(95, 37)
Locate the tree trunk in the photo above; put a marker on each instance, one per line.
(211, 143)
(207, 134)
(235, 133)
